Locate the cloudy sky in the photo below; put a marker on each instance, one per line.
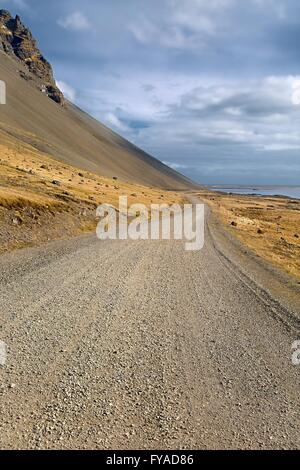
(212, 87)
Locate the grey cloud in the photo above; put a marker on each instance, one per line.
(206, 84)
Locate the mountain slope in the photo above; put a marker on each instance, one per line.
(70, 135)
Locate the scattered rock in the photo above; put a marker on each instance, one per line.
(56, 182)
(25, 76)
(260, 232)
(233, 224)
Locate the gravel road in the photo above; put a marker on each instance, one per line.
(142, 345)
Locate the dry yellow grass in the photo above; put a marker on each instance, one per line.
(270, 226)
(34, 188)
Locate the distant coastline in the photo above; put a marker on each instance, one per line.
(266, 190)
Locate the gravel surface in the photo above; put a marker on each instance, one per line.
(142, 345)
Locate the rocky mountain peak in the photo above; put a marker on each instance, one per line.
(5, 15)
(17, 41)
